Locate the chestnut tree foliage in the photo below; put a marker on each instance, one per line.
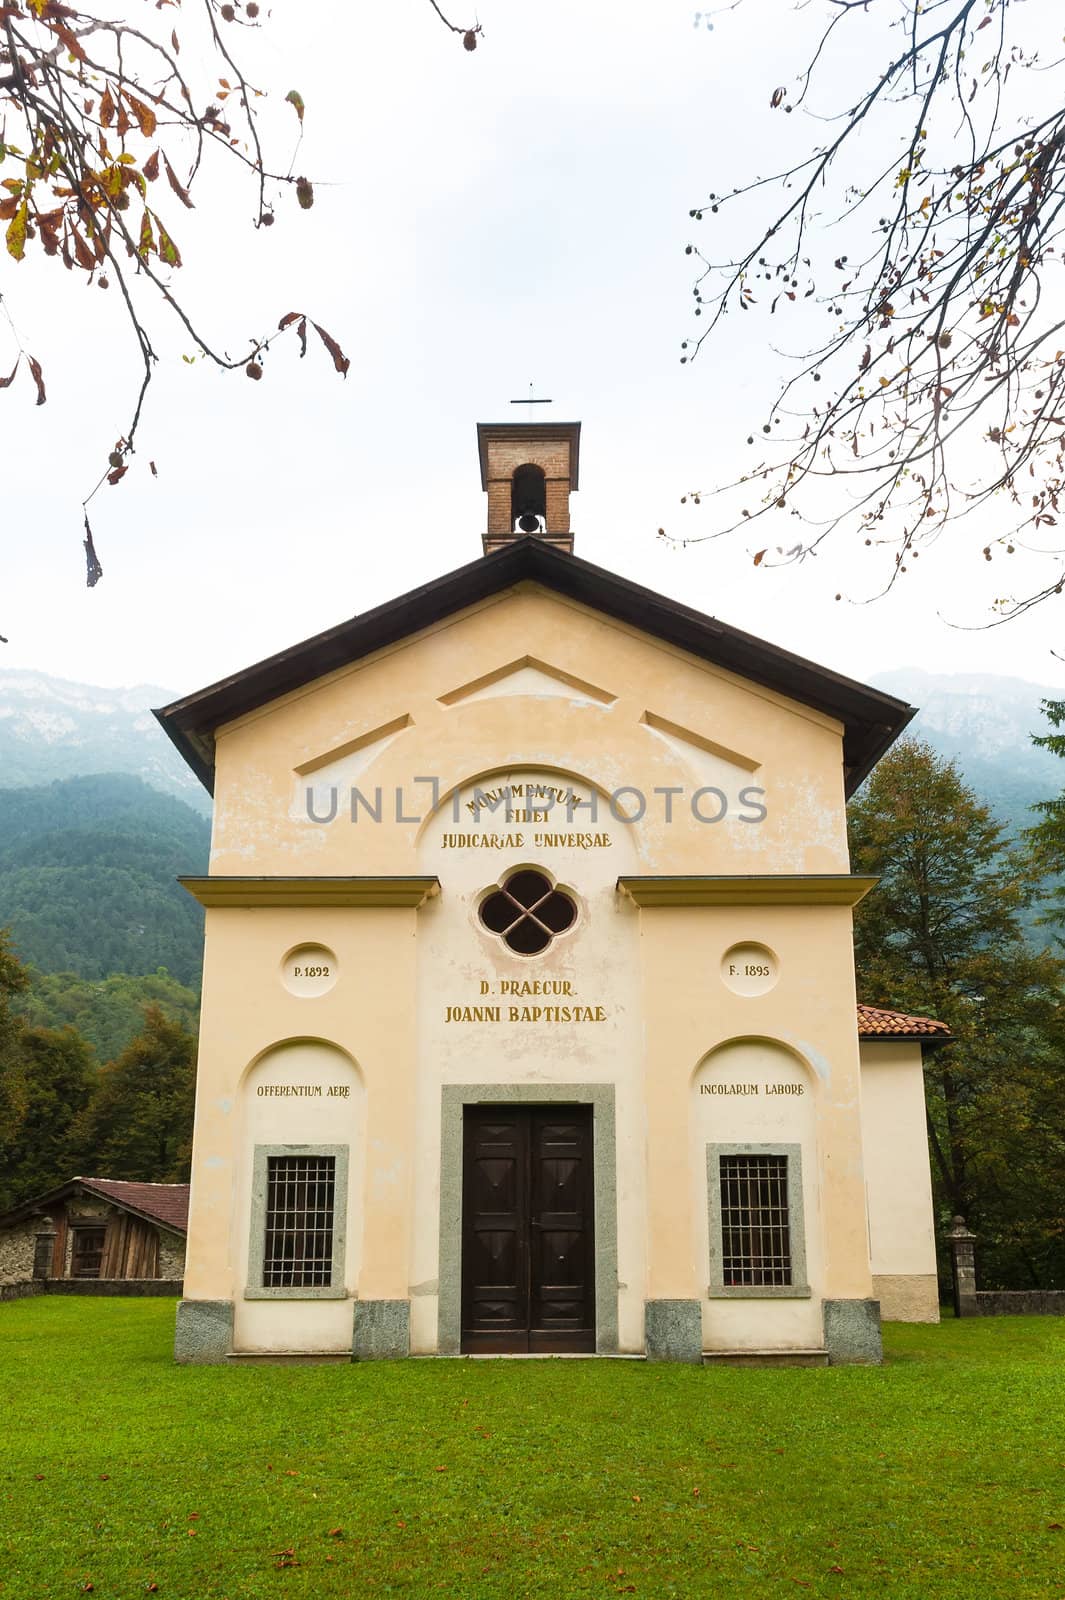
(105, 128)
(911, 236)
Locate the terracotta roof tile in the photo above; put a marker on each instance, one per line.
(873, 1023)
(164, 1202)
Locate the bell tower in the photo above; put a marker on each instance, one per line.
(528, 470)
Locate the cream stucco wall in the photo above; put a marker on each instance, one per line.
(899, 1180)
(527, 688)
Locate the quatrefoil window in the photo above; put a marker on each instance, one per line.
(527, 912)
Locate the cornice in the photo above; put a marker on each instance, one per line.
(251, 892)
(740, 889)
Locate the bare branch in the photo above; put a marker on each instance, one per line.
(943, 393)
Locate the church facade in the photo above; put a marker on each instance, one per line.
(529, 1019)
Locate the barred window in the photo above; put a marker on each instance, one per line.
(755, 1227)
(300, 1198)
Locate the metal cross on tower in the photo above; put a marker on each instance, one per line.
(531, 400)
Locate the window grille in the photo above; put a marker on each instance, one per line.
(527, 912)
(300, 1192)
(755, 1231)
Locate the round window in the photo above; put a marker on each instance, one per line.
(527, 912)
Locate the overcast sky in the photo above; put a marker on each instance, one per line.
(482, 221)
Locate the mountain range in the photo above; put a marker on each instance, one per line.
(50, 728)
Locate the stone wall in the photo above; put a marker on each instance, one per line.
(171, 1255)
(136, 1287)
(1015, 1303)
(16, 1251)
(21, 1291)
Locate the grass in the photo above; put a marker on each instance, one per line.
(940, 1475)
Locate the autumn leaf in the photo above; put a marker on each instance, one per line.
(340, 360)
(93, 570)
(759, 558)
(144, 114)
(777, 98)
(295, 100)
(38, 378)
(5, 383)
(168, 250)
(85, 254)
(151, 166)
(146, 243)
(70, 41)
(16, 233)
(304, 193)
(177, 186)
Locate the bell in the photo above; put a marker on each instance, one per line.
(529, 522)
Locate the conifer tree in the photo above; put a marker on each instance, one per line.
(55, 1073)
(941, 936)
(138, 1125)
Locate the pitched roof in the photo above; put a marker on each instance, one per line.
(871, 720)
(164, 1203)
(161, 1202)
(873, 1023)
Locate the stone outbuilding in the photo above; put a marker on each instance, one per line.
(97, 1236)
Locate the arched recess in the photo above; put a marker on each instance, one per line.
(756, 1179)
(528, 498)
(451, 808)
(301, 1099)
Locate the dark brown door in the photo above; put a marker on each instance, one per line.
(528, 1273)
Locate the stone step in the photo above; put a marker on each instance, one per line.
(765, 1358)
(289, 1358)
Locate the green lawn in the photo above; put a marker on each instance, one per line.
(940, 1474)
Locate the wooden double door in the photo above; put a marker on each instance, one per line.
(528, 1245)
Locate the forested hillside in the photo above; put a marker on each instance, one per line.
(106, 1011)
(87, 877)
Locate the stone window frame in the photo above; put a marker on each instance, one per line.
(337, 1289)
(799, 1287)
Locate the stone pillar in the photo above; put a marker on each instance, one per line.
(43, 1252)
(852, 1332)
(963, 1268)
(203, 1332)
(381, 1330)
(673, 1330)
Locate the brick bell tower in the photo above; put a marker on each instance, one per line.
(528, 470)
